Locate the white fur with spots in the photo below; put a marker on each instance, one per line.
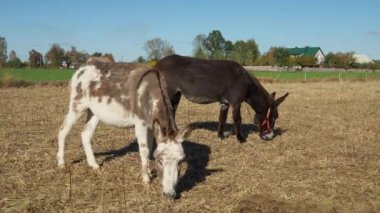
(114, 113)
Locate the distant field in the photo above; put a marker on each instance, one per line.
(302, 76)
(36, 75)
(50, 75)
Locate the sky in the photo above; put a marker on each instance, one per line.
(121, 27)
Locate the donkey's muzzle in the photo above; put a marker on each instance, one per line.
(170, 195)
(267, 136)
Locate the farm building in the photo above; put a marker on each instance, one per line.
(315, 52)
(362, 59)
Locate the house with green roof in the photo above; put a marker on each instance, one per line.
(315, 52)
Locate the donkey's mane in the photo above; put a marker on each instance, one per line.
(164, 97)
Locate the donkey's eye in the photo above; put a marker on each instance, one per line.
(159, 162)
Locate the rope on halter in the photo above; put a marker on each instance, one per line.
(266, 122)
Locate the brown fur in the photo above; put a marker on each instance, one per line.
(120, 82)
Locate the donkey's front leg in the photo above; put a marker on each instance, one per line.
(236, 116)
(145, 140)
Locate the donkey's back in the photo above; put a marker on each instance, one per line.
(109, 91)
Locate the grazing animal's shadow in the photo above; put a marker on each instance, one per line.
(197, 158)
(213, 126)
(246, 128)
(112, 154)
(279, 131)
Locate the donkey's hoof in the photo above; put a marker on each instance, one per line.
(152, 174)
(95, 167)
(222, 136)
(241, 140)
(146, 180)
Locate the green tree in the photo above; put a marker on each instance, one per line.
(140, 59)
(97, 54)
(157, 48)
(215, 44)
(340, 59)
(245, 52)
(281, 56)
(3, 51)
(228, 49)
(303, 61)
(55, 56)
(252, 51)
(266, 59)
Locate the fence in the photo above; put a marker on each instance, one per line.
(306, 69)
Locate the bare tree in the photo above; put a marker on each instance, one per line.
(35, 59)
(199, 43)
(3, 51)
(14, 61)
(75, 58)
(157, 48)
(12, 56)
(55, 56)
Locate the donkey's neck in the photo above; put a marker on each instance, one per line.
(164, 115)
(258, 98)
(162, 109)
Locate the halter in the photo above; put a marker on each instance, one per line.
(266, 122)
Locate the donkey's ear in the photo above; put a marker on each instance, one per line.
(183, 134)
(157, 131)
(273, 95)
(281, 99)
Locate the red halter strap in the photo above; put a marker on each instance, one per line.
(266, 121)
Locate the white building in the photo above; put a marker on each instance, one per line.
(362, 59)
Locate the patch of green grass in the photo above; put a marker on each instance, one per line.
(40, 75)
(36, 75)
(301, 76)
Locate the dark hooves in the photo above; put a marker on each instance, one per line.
(221, 137)
(241, 139)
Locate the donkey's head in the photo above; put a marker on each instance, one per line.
(168, 155)
(265, 120)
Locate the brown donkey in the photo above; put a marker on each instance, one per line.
(207, 81)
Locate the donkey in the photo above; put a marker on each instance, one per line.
(207, 81)
(124, 95)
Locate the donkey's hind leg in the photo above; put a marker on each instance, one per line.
(174, 100)
(92, 122)
(70, 119)
(222, 119)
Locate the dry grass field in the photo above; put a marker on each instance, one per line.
(325, 159)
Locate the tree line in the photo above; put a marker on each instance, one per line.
(55, 57)
(210, 46)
